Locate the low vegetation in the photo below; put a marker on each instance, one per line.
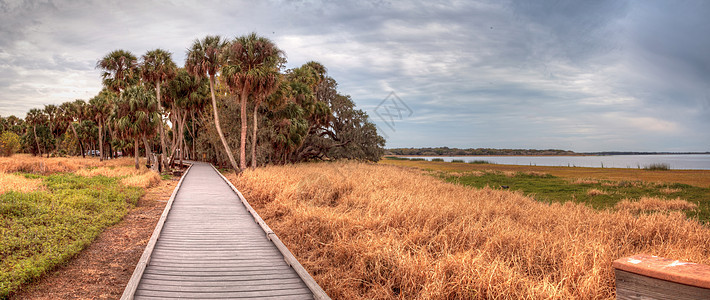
(658, 167)
(48, 214)
(376, 231)
(596, 193)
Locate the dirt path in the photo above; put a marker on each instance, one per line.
(102, 270)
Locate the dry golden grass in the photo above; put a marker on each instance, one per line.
(596, 192)
(145, 180)
(40, 165)
(584, 181)
(668, 190)
(699, 178)
(18, 183)
(655, 204)
(122, 167)
(379, 232)
(111, 171)
(143, 177)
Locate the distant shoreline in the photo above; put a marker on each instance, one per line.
(576, 154)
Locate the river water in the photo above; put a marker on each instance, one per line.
(675, 161)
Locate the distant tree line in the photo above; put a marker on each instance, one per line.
(203, 111)
(446, 151)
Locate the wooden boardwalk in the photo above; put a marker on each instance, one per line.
(211, 244)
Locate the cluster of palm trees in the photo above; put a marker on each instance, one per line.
(150, 100)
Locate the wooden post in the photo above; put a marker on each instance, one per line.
(652, 277)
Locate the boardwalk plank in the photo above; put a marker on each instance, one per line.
(246, 294)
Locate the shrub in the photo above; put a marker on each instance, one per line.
(9, 143)
(457, 161)
(437, 159)
(479, 162)
(658, 167)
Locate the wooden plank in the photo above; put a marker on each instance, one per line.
(132, 285)
(284, 297)
(224, 288)
(265, 264)
(220, 283)
(666, 269)
(632, 286)
(207, 273)
(220, 277)
(248, 294)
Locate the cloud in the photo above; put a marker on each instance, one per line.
(586, 76)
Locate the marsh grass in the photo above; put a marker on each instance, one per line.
(374, 231)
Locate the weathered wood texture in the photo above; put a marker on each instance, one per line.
(652, 277)
(211, 247)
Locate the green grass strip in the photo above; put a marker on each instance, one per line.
(40, 230)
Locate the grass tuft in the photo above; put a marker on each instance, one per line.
(596, 192)
(648, 204)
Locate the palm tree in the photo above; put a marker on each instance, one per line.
(100, 107)
(157, 68)
(136, 116)
(36, 117)
(185, 94)
(120, 70)
(203, 59)
(251, 68)
(74, 113)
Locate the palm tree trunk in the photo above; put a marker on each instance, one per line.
(34, 129)
(101, 141)
(182, 137)
(194, 140)
(135, 152)
(81, 145)
(147, 151)
(219, 128)
(162, 136)
(253, 138)
(174, 118)
(243, 135)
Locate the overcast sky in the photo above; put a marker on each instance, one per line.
(573, 75)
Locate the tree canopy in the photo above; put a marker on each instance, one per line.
(195, 111)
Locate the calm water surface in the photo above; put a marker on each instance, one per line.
(680, 161)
